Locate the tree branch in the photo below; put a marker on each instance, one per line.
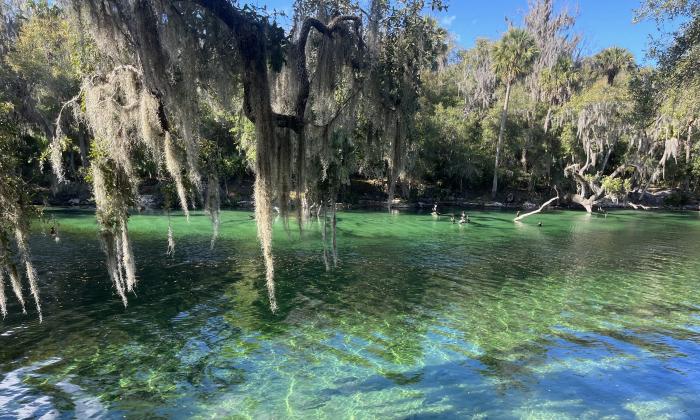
(542, 207)
(249, 34)
(303, 73)
(638, 206)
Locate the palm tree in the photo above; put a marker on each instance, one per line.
(513, 56)
(611, 61)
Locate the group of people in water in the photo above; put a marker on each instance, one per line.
(464, 218)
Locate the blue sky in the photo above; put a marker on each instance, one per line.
(602, 23)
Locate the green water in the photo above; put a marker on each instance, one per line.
(584, 317)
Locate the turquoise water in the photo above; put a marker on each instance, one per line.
(584, 317)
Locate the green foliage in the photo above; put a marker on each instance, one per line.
(644, 91)
(568, 140)
(559, 82)
(450, 152)
(51, 55)
(613, 186)
(227, 146)
(677, 199)
(667, 9)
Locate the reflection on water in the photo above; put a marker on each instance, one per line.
(582, 317)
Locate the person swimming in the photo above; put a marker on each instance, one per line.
(54, 232)
(602, 211)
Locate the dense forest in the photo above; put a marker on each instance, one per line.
(193, 102)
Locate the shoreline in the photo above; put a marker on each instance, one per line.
(418, 206)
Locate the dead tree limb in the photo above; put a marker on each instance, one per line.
(542, 207)
(638, 206)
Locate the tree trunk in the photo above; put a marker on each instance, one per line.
(394, 167)
(504, 114)
(390, 190)
(587, 203)
(611, 77)
(688, 146)
(605, 162)
(83, 145)
(71, 162)
(547, 119)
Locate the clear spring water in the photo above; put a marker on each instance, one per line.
(583, 317)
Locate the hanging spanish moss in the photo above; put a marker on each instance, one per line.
(13, 274)
(112, 201)
(174, 167)
(551, 33)
(212, 206)
(478, 81)
(334, 231)
(324, 236)
(11, 269)
(30, 272)
(304, 98)
(171, 239)
(125, 120)
(328, 226)
(665, 133)
(3, 298)
(15, 257)
(264, 218)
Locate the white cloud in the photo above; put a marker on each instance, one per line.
(447, 21)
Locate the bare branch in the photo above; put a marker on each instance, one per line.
(303, 73)
(638, 206)
(542, 207)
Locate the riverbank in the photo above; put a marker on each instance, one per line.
(368, 194)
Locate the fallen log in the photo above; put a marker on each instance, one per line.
(638, 206)
(542, 207)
